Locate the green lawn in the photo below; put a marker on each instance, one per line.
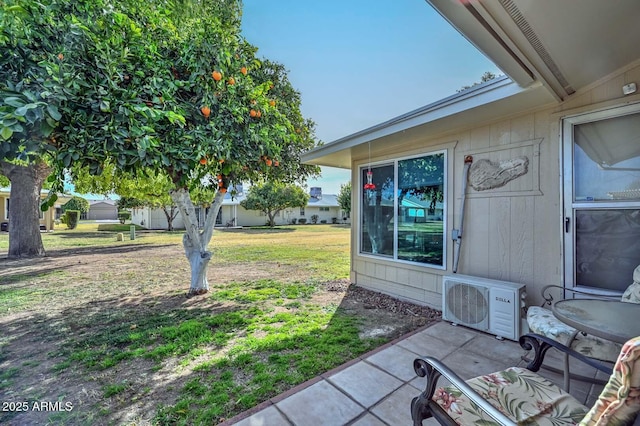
(112, 318)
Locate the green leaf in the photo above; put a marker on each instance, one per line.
(54, 113)
(105, 106)
(14, 101)
(6, 133)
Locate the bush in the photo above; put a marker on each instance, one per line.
(124, 216)
(323, 221)
(302, 221)
(294, 220)
(334, 220)
(71, 218)
(314, 218)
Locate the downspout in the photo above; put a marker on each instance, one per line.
(456, 234)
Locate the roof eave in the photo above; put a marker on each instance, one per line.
(462, 105)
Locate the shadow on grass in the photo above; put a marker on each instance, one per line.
(261, 230)
(172, 359)
(6, 264)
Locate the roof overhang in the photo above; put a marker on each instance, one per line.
(565, 45)
(483, 103)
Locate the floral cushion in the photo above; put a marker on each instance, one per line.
(542, 321)
(619, 402)
(520, 394)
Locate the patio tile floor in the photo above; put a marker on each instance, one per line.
(377, 388)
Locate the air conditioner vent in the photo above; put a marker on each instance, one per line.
(488, 305)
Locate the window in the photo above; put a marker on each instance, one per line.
(602, 199)
(402, 218)
(323, 209)
(301, 211)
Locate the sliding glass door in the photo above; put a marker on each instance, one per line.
(602, 199)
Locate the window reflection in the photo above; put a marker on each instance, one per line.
(405, 219)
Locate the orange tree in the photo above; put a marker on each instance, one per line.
(160, 87)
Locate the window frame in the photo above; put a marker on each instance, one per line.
(571, 205)
(445, 201)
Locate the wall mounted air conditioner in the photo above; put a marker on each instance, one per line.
(491, 306)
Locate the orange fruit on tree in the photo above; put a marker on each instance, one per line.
(222, 190)
(243, 70)
(268, 162)
(258, 114)
(253, 113)
(276, 163)
(231, 81)
(216, 75)
(203, 161)
(272, 103)
(206, 111)
(60, 56)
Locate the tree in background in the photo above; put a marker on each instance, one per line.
(158, 88)
(136, 190)
(487, 76)
(76, 203)
(272, 197)
(344, 198)
(4, 181)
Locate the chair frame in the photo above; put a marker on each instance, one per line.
(423, 406)
(548, 301)
(548, 297)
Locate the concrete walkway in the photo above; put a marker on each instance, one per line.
(377, 388)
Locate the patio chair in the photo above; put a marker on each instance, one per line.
(520, 396)
(542, 321)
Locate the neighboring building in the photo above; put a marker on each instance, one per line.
(102, 210)
(553, 194)
(47, 219)
(233, 214)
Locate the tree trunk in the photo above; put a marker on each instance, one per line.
(24, 208)
(194, 241)
(170, 215)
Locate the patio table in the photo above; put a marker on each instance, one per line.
(609, 319)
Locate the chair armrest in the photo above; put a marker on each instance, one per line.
(540, 344)
(424, 406)
(548, 297)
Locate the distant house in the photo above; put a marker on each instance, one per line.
(47, 219)
(102, 210)
(325, 206)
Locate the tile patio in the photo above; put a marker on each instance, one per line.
(377, 388)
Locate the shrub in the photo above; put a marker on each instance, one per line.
(294, 220)
(71, 218)
(323, 221)
(334, 220)
(314, 218)
(302, 221)
(123, 216)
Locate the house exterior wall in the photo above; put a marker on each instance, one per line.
(102, 211)
(512, 233)
(47, 218)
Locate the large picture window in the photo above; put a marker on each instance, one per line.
(402, 209)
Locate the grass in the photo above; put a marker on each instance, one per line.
(114, 318)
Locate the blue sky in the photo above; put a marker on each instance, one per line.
(358, 63)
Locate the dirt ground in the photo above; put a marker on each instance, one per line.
(29, 341)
